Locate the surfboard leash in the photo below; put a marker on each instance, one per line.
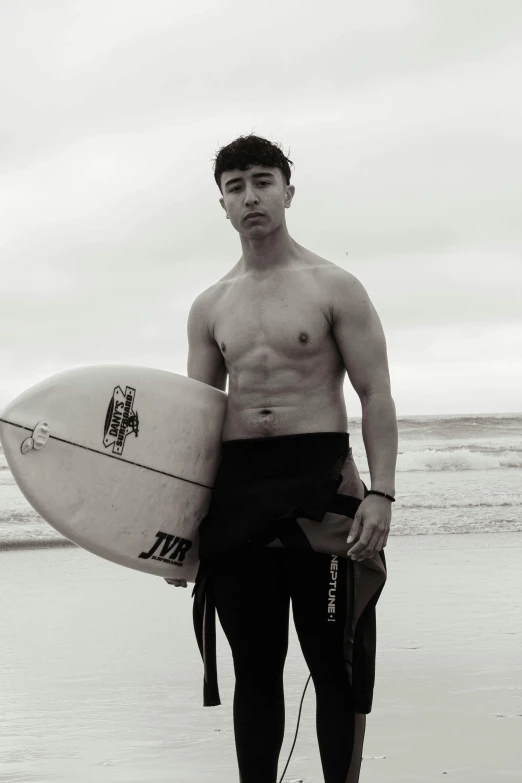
(296, 729)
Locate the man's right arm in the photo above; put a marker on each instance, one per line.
(205, 360)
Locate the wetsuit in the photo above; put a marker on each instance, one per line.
(256, 558)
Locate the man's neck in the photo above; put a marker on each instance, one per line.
(269, 254)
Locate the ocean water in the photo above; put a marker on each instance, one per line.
(455, 474)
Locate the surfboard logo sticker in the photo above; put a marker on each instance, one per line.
(121, 419)
(173, 549)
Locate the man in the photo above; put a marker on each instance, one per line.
(285, 325)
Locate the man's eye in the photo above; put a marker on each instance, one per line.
(263, 182)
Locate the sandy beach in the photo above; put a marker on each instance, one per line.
(102, 679)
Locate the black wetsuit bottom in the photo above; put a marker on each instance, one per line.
(252, 594)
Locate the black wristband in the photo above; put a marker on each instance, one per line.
(384, 495)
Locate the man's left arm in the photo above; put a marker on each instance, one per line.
(380, 436)
(359, 335)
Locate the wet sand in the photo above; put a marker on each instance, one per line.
(102, 678)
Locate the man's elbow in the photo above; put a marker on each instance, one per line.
(216, 379)
(382, 393)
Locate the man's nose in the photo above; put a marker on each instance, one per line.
(250, 197)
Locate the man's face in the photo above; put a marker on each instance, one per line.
(258, 189)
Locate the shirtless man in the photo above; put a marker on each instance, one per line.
(285, 325)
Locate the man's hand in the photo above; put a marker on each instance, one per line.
(176, 582)
(372, 521)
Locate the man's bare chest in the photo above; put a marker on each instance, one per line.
(288, 315)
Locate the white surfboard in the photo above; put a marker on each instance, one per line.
(121, 460)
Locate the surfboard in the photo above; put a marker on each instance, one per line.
(120, 460)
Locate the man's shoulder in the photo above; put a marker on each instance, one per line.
(341, 291)
(339, 282)
(208, 296)
(329, 269)
(212, 293)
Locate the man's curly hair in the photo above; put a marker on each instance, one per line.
(247, 151)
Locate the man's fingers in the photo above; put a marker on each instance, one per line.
(354, 530)
(177, 582)
(358, 548)
(364, 549)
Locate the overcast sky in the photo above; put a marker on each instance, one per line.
(403, 120)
